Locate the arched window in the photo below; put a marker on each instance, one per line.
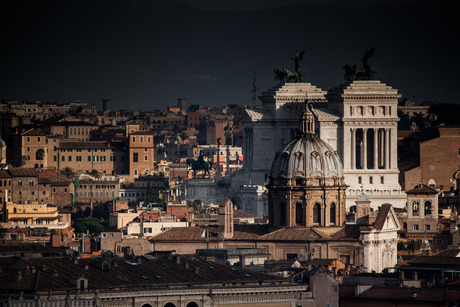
(415, 207)
(332, 212)
(146, 305)
(298, 214)
(317, 213)
(428, 207)
(192, 304)
(169, 304)
(405, 226)
(282, 213)
(432, 183)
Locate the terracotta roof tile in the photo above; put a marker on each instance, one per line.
(382, 215)
(422, 189)
(23, 172)
(181, 234)
(293, 234)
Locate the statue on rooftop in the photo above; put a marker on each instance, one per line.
(353, 72)
(199, 165)
(285, 75)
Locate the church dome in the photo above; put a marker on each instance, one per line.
(307, 156)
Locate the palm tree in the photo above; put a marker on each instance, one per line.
(67, 171)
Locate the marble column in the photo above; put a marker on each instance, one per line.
(387, 148)
(353, 148)
(376, 153)
(394, 148)
(364, 148)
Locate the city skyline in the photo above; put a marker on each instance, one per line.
(144, 56)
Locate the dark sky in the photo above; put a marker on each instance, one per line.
(145, 54)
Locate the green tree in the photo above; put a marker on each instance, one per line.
(91, 224)
(95, 173)
(40, 154)
(196, 205)
(67, 171)
(236, 202)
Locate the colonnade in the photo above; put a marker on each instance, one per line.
(370, 148)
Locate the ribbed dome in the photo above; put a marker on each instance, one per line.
(307, 156)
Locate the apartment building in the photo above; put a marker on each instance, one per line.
(141, 153)
(104, 157)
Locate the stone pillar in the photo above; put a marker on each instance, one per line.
(394, 148)
(353, 148)
(376, 149)
(387, 148)
(364, 148)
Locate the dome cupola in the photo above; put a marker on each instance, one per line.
(307, 156)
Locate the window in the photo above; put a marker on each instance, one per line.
(135, 157)
(147, 230)
(298, 214)
(70, 158)
(78, 158)
(428, 207)
(19, 183)
(371, 179)
(317, 213)
(427, 227)
(282, 214)
(63, 158)
(38, 139)
(89, 158)
(415, 226)
(291, 256)
(360, 180)
(332, 213)
(31, 183)
(382, 180)
(134, 139)
(415, 207)
(135, 172)
(146, 158)
(55, 158)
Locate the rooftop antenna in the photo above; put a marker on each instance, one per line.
(254, 90)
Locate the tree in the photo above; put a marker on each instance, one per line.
(67, 171)
(91, 224)
(236, 202)
(40, 154)
(196, 205)
(95, 173)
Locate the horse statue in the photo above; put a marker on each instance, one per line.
(198, 165)
(285, 75)
(360, 73)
